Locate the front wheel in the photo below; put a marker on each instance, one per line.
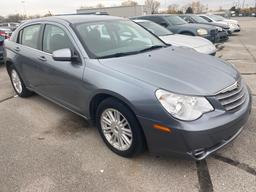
(17, 83)
(119, 128)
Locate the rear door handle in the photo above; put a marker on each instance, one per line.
(42, 58)
(17, 49)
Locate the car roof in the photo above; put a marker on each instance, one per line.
(157, 15)
(77, 18)
(141, 20)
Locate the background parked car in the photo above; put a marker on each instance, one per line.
(199, 44)
(179, 26)
(1, 49)
(192, 18)
(233, 24)
(11, 25)
(5, 33)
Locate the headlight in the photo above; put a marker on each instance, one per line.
(187, 108)
(202, 32)
(232, 25)
(219, 28)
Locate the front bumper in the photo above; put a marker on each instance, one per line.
(207, 49)
(196, 139)
(235, 29)
(222, 36)
(212, 38)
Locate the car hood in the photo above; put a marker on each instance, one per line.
(177, 70)
(231, 21)
(186, 41)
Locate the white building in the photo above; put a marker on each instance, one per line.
(121, 11)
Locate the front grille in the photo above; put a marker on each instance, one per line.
(233, 97)
(214, 31)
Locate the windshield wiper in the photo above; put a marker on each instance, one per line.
(121, 54)
(152, 48)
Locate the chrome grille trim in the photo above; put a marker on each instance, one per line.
(232, 107)
(232, 97)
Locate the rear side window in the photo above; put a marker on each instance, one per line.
(55, 38)
(30, 36)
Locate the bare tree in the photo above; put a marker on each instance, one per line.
(100, 5)
(152, 5)
(129, 3)
(1, 18)
(189, 10)
(15, 18)
(197, 7)
(173, 9)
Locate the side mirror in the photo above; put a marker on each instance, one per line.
(62, 55)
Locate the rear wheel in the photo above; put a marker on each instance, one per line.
(119, 128)
(17, 83)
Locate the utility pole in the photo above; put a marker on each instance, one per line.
(243, 3)
(24, 8)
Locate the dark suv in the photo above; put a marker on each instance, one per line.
(224, 30)
(179, 26)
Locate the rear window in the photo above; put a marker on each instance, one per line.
(30, 36)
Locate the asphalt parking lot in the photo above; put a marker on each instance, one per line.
(44, 148)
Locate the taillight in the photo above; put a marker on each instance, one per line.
(2, 33)
(5, 35)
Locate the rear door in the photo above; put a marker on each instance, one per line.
(27, 54)
(61, 80)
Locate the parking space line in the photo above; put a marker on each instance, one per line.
(248, 50)
(8, 98)
(235, 163)
(204, 179)
(248, 73)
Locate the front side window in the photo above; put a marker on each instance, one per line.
(30, 36)
(55, 38)
(106, 38)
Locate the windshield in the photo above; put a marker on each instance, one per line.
(175, 20)
(155, 28)
(198, 19)
(116, 38)
(216, 17)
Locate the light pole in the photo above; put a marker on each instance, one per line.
(24, 8)
(243, 3)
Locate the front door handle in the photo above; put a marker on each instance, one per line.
(42, 58)
(17, 49)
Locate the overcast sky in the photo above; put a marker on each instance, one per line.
(32, 7)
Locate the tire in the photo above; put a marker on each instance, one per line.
(110, 136)
(17, 83)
